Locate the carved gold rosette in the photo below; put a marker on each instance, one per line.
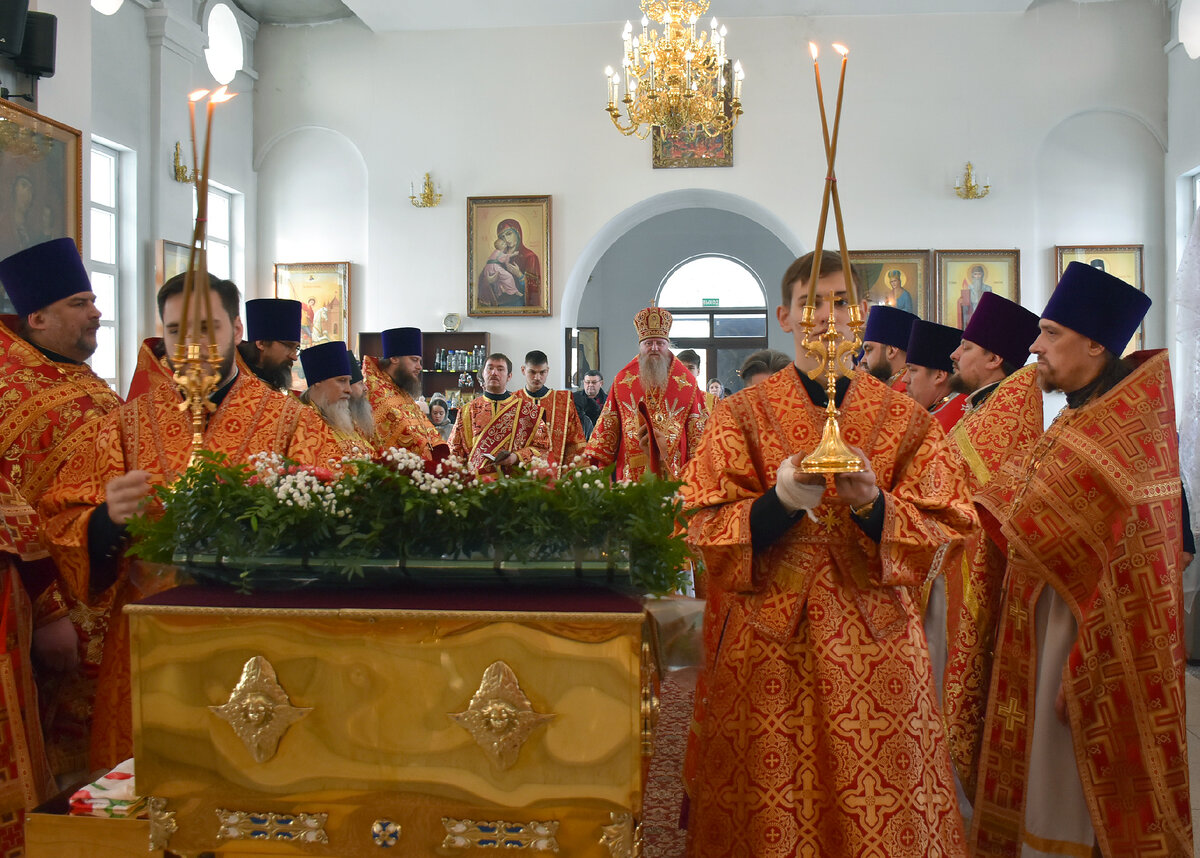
(259, 710)
(500, 717)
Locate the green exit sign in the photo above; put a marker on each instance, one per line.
(710, 302)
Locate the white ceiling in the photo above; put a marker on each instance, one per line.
(385, 15)
(382, 15)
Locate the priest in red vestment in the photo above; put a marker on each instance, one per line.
(393, 385)
(928, 369)
(50, 402)
(499, 430)
(558, 410)
(146, 442)
(1085, 743)
(327, 373)
(885, 338)
(817, 730)
(1002, 421)
(654, 414)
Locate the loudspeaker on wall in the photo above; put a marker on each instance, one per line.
(12, 26)
(37, 52)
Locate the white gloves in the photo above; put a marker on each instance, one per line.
(795, 495)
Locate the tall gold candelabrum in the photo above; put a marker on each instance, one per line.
(832, 351)
(197, 356)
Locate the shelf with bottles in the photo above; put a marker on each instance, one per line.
(451, 360)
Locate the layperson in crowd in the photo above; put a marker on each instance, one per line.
(885, 339)
(817, 730)
(50, 402)
(1003, 420)
(654, 414)
(327, 372)
(499, 430)
(691, 362)
(589, 401)
(1085, 744)
(148, 442)
(393, 385)
(928, 369)
(558, 410)
(272, 340)
(439, 416)
(761, 365)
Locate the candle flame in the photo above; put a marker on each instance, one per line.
(812, 49)
(197, 95)
(841, 49)
(221, 95)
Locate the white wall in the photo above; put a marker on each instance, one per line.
(521, 112)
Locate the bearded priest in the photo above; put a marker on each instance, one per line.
(654, 414)
(148, 442)
(393, 385)
(327, 372)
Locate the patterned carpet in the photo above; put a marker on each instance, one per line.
(663, 838)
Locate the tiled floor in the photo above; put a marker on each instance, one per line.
(1193, 723)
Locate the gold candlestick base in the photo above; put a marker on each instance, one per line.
(832, 455)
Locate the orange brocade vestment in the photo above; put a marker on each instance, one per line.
(1005, 427)
(47, 409)
(150, 433)
(488, 426)
(677, 412)
(817, 729)
(562, 420)
(399, 422)
(1093, 512)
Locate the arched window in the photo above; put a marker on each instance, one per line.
(720, 309)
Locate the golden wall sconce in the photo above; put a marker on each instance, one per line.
(428, 198)
(966, 187)
(181, 173)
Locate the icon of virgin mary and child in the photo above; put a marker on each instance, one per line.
(512, 275)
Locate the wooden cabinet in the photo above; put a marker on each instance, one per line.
(446, 381)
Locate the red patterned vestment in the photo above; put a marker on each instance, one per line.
(949, 411)
(1004, 428)
(677, 413)
(151, 368)
(150, 433)
(488, 426)
(1093, 514)
(25, 777)
(817, 727)
(399, 421)
(47, 409)
(562, 421)
(351, 445)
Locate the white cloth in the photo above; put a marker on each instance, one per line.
(794, 495)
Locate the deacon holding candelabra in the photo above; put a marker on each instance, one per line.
(210, 401)
(820, 496)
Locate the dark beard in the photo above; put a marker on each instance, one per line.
(278, 377)
(409, 384)
(883, 372)
(958, 385)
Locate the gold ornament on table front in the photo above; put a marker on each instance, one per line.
(500, 717)
(259, 710)
(197, 369)
(833, 352)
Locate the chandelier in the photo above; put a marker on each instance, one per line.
(674, 79)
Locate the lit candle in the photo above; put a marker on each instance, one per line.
(811, 300)
(608, 73)
(738, 74)
(837, 206)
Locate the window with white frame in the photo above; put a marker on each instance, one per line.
(103, 267)
(219, 231)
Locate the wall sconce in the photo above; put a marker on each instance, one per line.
(181, 170)
(428, 198)
(966, 187)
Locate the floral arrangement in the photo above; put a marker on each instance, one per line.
(395, 508)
